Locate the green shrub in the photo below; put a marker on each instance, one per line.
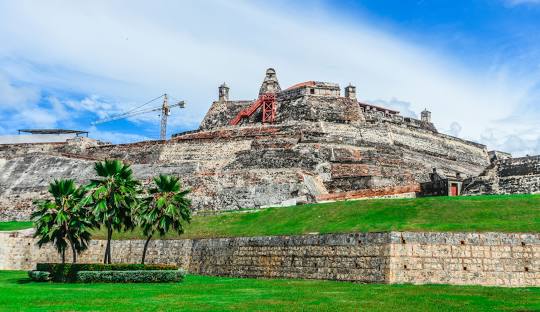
(68, 272)
(39, 276)
(138, 276)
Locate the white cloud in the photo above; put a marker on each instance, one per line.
(116, 136)
(455, 129)
(13, 97)
(403, 107)
(128, 52)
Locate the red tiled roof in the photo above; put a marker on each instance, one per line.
(302, 84)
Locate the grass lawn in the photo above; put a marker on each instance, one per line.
(503, 213)
(15, 225)
(514, 213)
(18, 293)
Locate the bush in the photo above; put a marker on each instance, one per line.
(137, 276)
(39, 276)
(68, 272)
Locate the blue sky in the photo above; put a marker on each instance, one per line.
(474, 64)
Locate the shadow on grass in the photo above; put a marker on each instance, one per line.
(23, 281)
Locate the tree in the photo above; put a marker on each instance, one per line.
(65, 220)
(164, 209)
(113, 198)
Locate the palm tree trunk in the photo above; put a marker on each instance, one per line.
(106, 258)
(109, 237)
(63, 256)
(74, 252)
(106, 254)
(145, 248)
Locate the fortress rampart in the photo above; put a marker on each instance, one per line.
(320, 145)
(508, 176)
(491, 259)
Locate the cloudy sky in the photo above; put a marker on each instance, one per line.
(475, 64)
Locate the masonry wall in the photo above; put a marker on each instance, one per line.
(519, 175)
(497, 259)
(320, 147)
(507, 176)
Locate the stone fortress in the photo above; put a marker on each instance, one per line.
(307, 143)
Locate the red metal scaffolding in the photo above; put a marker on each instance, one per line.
(268, 103)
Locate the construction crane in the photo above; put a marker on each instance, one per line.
(165, 109)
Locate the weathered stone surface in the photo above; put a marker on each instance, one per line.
(507, 176)
(254, 166)
(498, 259)
(320, 144)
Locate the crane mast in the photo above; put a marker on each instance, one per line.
(165, 111)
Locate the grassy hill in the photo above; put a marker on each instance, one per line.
(508, 213)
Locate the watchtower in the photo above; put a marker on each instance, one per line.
(350, 92)
(223, 92)
(426, 116)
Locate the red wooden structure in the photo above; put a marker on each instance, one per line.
(267, 102)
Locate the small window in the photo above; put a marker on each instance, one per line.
(311, 91)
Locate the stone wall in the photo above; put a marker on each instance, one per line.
(397, 257)
(321, 146)
(507, 176)
(497, 259)
(232, 168)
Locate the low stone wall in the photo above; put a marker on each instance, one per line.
(498, 259)
(396, 257)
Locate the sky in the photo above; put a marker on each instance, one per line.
(474, 64)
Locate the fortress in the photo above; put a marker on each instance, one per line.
(307, 143)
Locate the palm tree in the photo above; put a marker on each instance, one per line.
(113, 198)
(64, 220)
(164, 209)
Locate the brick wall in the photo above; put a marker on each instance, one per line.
(499, 259)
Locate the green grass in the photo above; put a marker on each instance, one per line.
(514, 213)
(15, 225)
(203, 293)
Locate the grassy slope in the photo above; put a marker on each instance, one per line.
(17, 293)
(516, 213)
(14, 225)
